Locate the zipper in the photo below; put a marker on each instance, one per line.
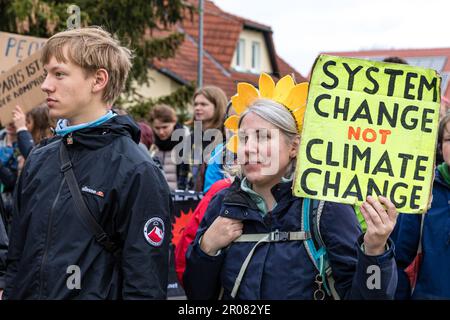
(47, 238)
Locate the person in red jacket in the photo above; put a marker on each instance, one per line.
(191, 228)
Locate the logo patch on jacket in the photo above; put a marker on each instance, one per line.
(154, 231)
(92, 191)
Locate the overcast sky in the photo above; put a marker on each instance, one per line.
(302, 29)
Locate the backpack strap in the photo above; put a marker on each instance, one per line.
(259, 238)
(312, 240)
(83, 211)
(275, 236)
(315, 247)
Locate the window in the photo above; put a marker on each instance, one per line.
(256, 56)
(240, 54)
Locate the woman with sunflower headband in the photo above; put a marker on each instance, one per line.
(250, 243)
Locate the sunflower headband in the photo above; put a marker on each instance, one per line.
(285, 92)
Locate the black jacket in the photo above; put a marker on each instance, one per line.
(3, 249)
(122, 188)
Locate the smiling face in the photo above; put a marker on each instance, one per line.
(68, 89)
(264, 151)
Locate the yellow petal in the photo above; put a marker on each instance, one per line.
(266, 86)
(247, 92)
(299, 115)
(297, 96)
(232, 123)
(232, 144)
(238, 104)
(283, 88)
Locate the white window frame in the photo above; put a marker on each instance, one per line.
(256, 56)
(240, 54)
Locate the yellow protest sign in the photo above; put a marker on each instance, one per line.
(370, 128)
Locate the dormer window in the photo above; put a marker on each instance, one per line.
(256, 56)
(251, 54)
(240, 54)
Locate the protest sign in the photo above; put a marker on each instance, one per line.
(21, 85)
(14, 48)
(370, 128)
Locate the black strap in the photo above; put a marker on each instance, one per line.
(86, 217)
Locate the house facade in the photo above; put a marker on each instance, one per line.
(236, 49)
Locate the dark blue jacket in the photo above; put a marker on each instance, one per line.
(283, 270)
(124, 191)
(433, 280)
(3, 253)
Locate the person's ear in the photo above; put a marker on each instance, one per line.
(101, 78)
(294, 147)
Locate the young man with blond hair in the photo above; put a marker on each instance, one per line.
(91, 218)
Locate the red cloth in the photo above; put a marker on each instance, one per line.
(191, 228)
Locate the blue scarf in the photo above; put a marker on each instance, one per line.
(63, 128)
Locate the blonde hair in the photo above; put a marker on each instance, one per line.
(92, 48)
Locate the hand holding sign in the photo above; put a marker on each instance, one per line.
(380, 224)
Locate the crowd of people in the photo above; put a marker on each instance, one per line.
(85, 185)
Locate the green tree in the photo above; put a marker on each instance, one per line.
(132, 21)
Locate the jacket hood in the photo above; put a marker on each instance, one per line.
(104, 134)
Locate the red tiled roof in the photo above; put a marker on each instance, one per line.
(285, 68)
(221, 34)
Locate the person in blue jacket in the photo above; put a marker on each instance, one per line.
(219, 156)
(260, 202)
(433, 276)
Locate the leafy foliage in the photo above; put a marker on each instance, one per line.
(132, 21)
